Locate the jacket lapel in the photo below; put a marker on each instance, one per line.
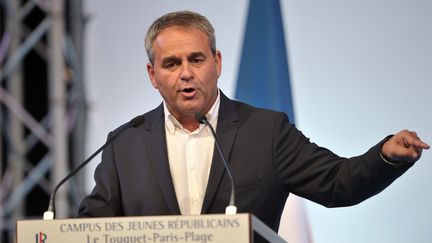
(226, 132)
(156, 141)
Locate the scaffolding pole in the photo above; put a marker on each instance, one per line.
(58, 103)
(63, 126)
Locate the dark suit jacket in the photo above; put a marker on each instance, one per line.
(269, 157)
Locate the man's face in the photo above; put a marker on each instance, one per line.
(185, 71)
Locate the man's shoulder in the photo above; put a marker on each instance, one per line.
(247, 110)
(146, 120)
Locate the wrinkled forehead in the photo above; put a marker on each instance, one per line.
(180, 32)
(179, 39)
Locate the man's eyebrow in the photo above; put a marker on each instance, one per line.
(170, 59)
(196, 54)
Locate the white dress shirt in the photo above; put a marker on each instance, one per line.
(190, 155)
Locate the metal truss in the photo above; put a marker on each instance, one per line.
(37, 147)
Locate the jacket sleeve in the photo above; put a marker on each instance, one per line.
(316, 173)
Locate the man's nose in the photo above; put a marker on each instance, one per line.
(186, 72)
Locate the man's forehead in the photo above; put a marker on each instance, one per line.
(180, 32)
(189, 55)
(179, 40)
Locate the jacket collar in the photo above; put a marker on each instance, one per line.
(156, 141)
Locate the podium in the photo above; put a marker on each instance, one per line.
(212, 228)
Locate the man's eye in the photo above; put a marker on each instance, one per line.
(170, 65)
(196, 60)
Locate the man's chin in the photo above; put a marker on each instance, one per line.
(191, 112)
(192, 107)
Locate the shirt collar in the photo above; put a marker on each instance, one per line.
(172, 124)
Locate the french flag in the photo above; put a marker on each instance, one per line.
(264, 81)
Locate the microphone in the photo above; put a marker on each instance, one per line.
(231, 209)
(50, 213)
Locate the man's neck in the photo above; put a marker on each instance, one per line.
(189, 123)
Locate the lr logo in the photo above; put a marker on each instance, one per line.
(41, 237)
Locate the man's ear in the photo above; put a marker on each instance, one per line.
(151, 73)
(218, 61)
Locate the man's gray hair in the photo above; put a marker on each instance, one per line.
(186, 19)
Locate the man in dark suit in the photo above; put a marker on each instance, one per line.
(167, 165)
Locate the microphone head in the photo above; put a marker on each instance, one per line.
(200, 118)
(137, 121)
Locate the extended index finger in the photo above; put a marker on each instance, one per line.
(415, 141)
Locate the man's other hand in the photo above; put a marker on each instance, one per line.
(405, 146)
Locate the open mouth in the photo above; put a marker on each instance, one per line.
(188, 93)
(188, 90)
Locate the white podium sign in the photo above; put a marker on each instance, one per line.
(153, 229)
